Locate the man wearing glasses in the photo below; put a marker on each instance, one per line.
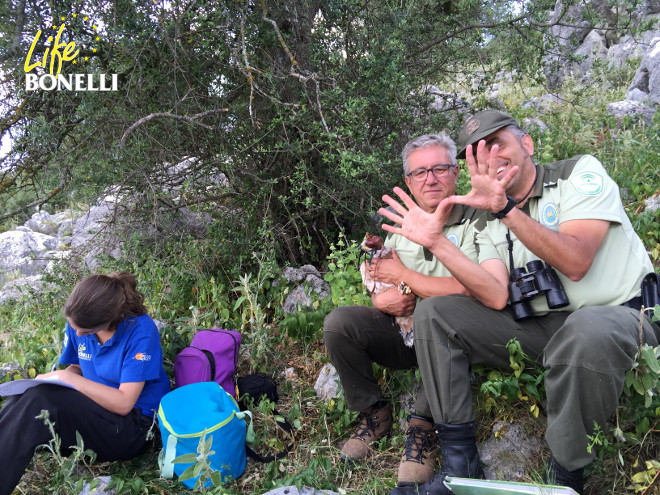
(570, 215)
(358, 336)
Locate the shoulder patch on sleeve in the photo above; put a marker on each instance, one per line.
(588, 183)
(453, 238)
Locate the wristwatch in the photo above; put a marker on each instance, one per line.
(404, 288)
(510, 205)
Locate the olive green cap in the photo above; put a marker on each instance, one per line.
(480, 125)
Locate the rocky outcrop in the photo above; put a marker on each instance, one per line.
(510, 452)
(327, 383)
(578, 44)
(82, 237)
(645, 87)
(309, 281)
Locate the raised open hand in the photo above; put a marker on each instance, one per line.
(489, 178)
(425, 229)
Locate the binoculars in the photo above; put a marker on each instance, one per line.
(525, 284)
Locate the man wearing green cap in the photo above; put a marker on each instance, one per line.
(581, 319)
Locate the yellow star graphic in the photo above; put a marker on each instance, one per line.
(94, 50)
(54, 27)
(94, 27)
(97, 38)
(75, 15)
(74, 61)
(86, 18)
(86, 59)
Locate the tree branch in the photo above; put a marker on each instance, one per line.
(469, 27)
(166, 115)
(509, 22)
(196, 202)
(39, 202)
(15, 47)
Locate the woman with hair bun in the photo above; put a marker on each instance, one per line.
(115, 366)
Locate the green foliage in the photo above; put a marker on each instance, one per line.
(308, 118)
(523, 384)
(64, 469)
(201, 465)
(599, 438)
(644, 377)
(344, 275)
(35, 340)
(346, 288)
(305, 326)
(643, 480)
(290, 114)
(253, 306)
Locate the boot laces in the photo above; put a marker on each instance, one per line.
(366, 427)
(418, 441)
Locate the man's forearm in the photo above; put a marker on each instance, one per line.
(427, 286)
(486, 282)
(571, 250)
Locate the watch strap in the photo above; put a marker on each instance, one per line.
(510, 205)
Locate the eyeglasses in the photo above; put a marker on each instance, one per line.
(438, 171)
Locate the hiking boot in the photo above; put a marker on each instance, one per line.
(419, 451)
(375, 423)
(556, 474)
(460, 458)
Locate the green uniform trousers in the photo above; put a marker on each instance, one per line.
(587, 354)
(356, 337)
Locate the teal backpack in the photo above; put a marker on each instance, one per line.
(196, 411)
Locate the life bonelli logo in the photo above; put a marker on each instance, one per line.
(45, 73)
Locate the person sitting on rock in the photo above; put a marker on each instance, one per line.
(357, 336)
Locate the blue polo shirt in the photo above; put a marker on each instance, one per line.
(132, 354)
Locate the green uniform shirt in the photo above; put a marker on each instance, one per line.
(458, 229)
(577, 189)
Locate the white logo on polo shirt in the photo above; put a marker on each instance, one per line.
(588, 183)
(85, 356)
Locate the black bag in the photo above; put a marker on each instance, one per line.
(255, 386)
(258, 385)
(651, 290)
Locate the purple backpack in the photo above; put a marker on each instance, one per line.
(212, 356)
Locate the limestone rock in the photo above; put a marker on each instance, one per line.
(309, 280)
(647, 77)
(100, 488)
(633, 109)
(327, 383)
(25, 253)
(510, 452)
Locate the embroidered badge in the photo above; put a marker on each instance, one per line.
(85, 356)
(453, 238)
(588, 183)
(140, 356)
(471, 126)
(549, 215)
